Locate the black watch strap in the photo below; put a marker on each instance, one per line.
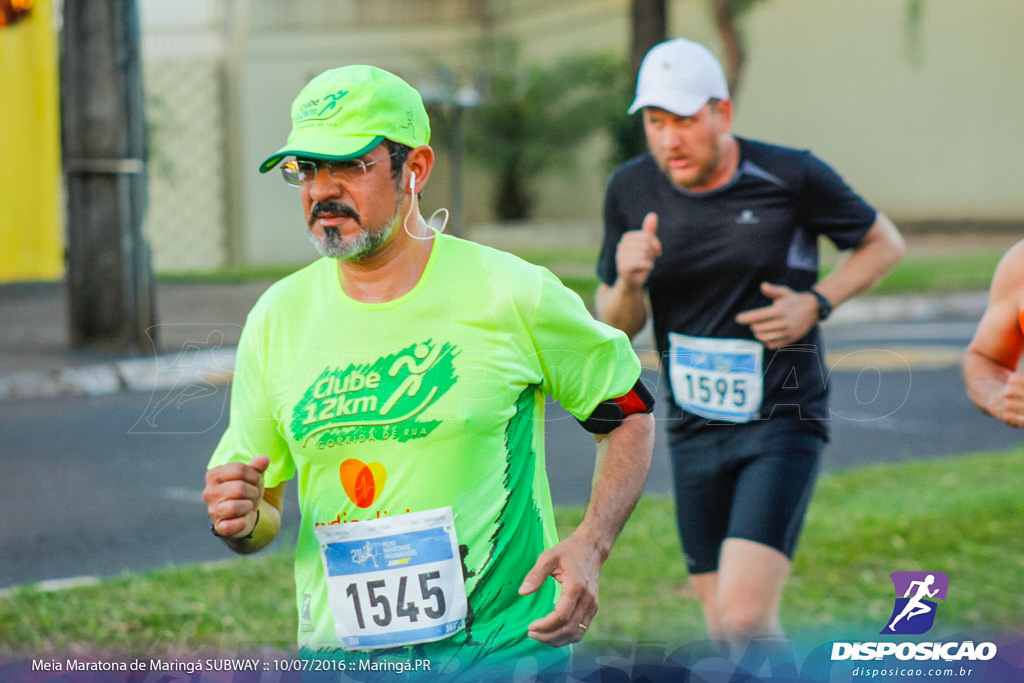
(824, 305)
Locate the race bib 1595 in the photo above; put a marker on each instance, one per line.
(719, 379)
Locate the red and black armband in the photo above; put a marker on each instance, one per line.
(609, 414)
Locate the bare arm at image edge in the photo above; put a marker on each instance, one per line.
(990, 364)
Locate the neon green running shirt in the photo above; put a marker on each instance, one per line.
(433, 400)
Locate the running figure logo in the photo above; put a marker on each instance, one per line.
(914, 612)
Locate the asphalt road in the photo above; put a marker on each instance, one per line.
(106, 485)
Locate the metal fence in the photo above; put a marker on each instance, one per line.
(185, 220)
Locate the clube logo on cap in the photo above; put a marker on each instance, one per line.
(345, 112)
(319, 108)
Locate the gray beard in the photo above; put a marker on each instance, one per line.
(366, 244)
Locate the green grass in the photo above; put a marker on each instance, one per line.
(968, 271)
(971, 271)
(560, 258)
(914, 275)
(959, 515)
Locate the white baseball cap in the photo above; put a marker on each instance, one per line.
(679, 76)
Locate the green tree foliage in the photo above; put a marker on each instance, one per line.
(535, 119)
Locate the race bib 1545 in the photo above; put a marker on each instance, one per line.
(394, 581)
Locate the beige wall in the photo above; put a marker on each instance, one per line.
(931, 135)
(931, 138)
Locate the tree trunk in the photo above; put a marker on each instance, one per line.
(650, 27)
(649, 20)
(513, 201)
(732, 43)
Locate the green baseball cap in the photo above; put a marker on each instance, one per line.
(344, 113)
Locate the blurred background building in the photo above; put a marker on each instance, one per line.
(913, 101)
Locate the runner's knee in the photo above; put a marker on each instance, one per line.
(743, 620)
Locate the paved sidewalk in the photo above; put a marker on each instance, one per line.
(195, 338)
(200, 323)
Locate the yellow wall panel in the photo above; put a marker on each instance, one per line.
(31, 228)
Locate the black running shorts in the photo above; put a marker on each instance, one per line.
(751, 481)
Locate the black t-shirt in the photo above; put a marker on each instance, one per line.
(719, 246)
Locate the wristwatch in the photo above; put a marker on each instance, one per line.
(824, 305)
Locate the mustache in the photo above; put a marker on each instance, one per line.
(333, 209)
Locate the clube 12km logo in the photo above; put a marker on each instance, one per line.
(918, 595)
(379, 401)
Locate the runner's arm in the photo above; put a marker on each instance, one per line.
(268, 525)
(623, 304)
(243, 513)
(990, 364)
(623, 307)
(793, 313)
(623, 459)
(878, 252)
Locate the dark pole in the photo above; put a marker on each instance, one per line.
(109, 276)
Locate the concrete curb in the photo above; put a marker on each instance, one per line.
(911, 308)
(213, 366)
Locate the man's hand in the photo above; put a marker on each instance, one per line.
(636, 253)
(787, 319)
(623, 459)
(576, 565)
(1008, 404)
(233, 493)
(622, 305)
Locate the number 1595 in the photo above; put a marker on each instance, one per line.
(704, 390)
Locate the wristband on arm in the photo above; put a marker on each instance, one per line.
(609, 414)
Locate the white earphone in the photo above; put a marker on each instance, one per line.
(405, 223)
